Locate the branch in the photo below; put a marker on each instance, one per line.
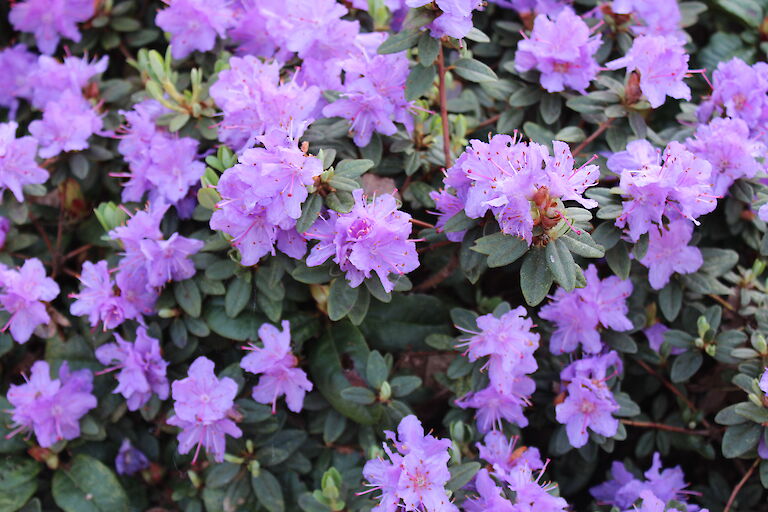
(740, 485)
(444, 107)
(600, 129)
(661, 426)
(440, 276)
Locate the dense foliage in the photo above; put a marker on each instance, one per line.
(378, 254)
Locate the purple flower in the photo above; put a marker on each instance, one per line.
(130, 460)
(587, 407)
(505, 400)
(97, 298)
(739, 91)
(278, 369)
(50, 20)
(562, 50)
(168, 260)
(51, 79)
(456, 18)
(662, 64)
(579, 313)
(656, 17)
(5, 227)
(490, 496)
(501, 453)
(676, 185)
(194, 24)
(726, 144)
(373, 96)
(24, 293)
(373, 237)
(651, 503)
(624, 489)
(447, 206)
(202, 404)
(668, 252)
(66, 125)
(530, 495)
(17, 162)
(415, 477)
(548, 7)
(764, 381)
(255, 100)
(17, 64)
(141, 365)
(52, 408)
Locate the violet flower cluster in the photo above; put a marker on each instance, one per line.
(50, 20)
(454, 19)
(508, 177)
(202, 405)
(24, 293)
(578, 314)
(530, 494)
(371, 238)
(415, 475)
(18, 166)
(277, 367)
(52, 408)
(509, 344)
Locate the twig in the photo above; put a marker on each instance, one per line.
(422, 223)
(673, 389)
(740, 485)
(436, 245)
(488, 121)
(727, 305)
(661, 426)
(444, 107)
(600, 129)
(441, 275)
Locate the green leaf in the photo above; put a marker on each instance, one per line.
(461, 475)
(748, 11)
(501, 249)
(125, 24)
(472, 263)
(459, 222)
(627, 407)
(342, 340)
(535, 277)
(718, 261)
(79, 166)
(208, 197)
(340, 201)
(739, 439)
(14, 499)
(620, 341)
(15, 471)
(376, 370)
(419, 81)
(268, 491)
(399, 41)
(360, 310)
(333, 426)
(705, 284)
(618, 259)
(525, 97)
(312, 275)
(404, 385)
(729, 416)
(671, 300)
(550, 107)
(582, 244)
(560, 263)
(87, 485)
(474, 71)
(280, 446)
(221, 474)
(405, 322)
(238, 295)
(428, 48)
(242, 328)
(188, 297)
(310, 210)
(352, 168)
(221, 270)
(341, 299)
(686, 365)
(177, 122)
(358, 395)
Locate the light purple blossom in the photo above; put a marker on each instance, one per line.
(447, 206)
(624, 489)
(726, 144)
(504, 455)
(415, 475)
(50, 79)
(548, 7)
(739, 91)
(372, 238)
(579, 313)
(764, 381)
(502, 400)
(668, 253)
(5, 227)
(277, 366)
(255, 100)
(194, 24)
(662, 64)
(202, 404)
(168, 260)
(50, 20)
(562, 50)
(52, 408)
(17, 64)
(676, 185)
(17, 162)
(532, 496)
(97, 298)
(66, 125)
(24, 293)
(655, 336)
(141, 365)
(130, 460)
(373, 96)
(587, 407)
(490, 496)
(652, 17)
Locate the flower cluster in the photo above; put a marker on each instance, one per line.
(195, 24)
(277, 366)
(520, 183)
(739, 91)
(589, 403)
(455, 18)
(50, 20)
(161, 164)
(372, 238)
(562, 49)
(202, 404)
(262, 198)
(23, 294)
(141, 365)
(509, 344)
(17, 162)
(529, 494)
(578, 313)
(504, 456)
(52, 408)
(652, 17)
(415, 475)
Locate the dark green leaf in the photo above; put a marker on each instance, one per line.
(671, 300)
(535, 277)
(358, 395)
(188, 297)
(428, 47)
(686, 365)
(739, 439)
(461, 475)
(268, 491)
(237, 297)
(87, 485)
(312, 275)
(582, 244)
(501, 249)
(550, 107)
(399, 41)
(341, 298)
(618, 259)
(376, 371)
(474, 71)
(242, 328)
(404, 385)
(560, 263)
(310, 210)
(419, 81)
(280, 446)
(352, 168)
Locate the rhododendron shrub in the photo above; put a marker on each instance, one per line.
(383, 255)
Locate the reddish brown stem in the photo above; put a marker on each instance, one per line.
(422, 223)
(441, 275)
(739, 485)
(488, 121)
(661, 426)
(444, 107)
(600, 129)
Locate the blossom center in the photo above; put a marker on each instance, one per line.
(359, 229)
